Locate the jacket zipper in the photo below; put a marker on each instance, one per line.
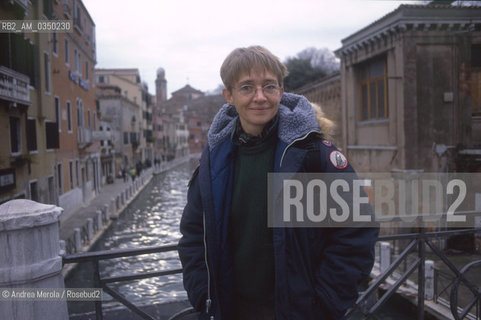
(294, 141)
(208, 302)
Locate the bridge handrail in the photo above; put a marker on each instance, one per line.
(116, 253)
(94, 258)
(419, 240)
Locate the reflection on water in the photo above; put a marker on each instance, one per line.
(152, 219)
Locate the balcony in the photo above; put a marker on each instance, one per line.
(21, 3)
(101, 135)
(84, 136)
(14, 86)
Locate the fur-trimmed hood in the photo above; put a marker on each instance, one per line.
(297, 117)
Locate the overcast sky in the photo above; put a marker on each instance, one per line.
(189, 39)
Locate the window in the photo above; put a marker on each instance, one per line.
(95, 120)
(55, 43)
(88, 118)
(57, 113)
(476, 79)
(76, 61)
(66, 52)
(126, 138)
(59, 178)
(79, 63)
(373, 90)
(93, 37)
(86, 69)
(80, 113)
(46, 62)
(70, 167)
(51, 190)
(31, 134)
(34, 191)
(15, 136)
(69, 116)
(51, 133)
(103, 79)
(21, 56)
(47, 8)
(76, 15)
(77, 167)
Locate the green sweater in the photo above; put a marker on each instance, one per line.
(251, 240)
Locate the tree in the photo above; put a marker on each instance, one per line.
(309, 65)
(300, 72)
(322, 58)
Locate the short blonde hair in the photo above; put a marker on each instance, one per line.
(242, 60)
(328, 127)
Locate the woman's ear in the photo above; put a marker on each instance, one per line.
(228, 96)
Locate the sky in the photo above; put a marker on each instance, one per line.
(190, 39)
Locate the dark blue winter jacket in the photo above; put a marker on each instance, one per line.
(317, 270)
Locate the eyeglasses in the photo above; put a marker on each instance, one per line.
(250, 91)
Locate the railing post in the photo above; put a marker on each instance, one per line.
(106, 212)
(422, 257)
(98, 303)
(90, 229)
(29, 259)
(78, 239)
(113, 208)
(100, 222)
(384, 256)
(477, 222)
(429, 279)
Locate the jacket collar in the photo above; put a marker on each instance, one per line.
(296, 119)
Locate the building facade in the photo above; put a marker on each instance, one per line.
(198, 129)
(73, 59)
(27, 119)
(120, 130)
(410, 90)
(129, 82)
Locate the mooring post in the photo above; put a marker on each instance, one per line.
(429, 279)
(30, 261)
(384, 255)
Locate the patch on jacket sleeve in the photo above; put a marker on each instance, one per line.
(338, 160)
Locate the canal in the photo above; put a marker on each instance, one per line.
(152, 219)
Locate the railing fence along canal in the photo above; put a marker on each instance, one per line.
(426, 289)
(418, 243)
(29, 238)
(100, 282)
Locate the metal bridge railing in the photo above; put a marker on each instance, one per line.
(417, 245)
(99, 282)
